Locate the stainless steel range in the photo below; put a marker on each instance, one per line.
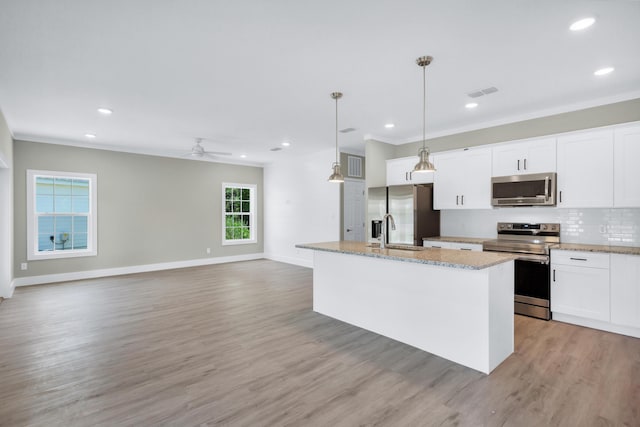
(532, 244)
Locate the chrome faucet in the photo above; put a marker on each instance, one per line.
(383, 228)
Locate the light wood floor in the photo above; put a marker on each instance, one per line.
(238, 344)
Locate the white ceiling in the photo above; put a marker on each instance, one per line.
(248, 75)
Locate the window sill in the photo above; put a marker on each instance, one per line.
(60, 254)
(239, 242)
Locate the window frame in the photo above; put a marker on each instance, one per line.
(253, 214)
(32, 217)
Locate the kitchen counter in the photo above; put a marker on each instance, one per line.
(441, 257)
(624, 250)
(471, 240)
(455, 304)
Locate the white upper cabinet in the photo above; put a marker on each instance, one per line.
(585, 169)
(626, 173)
(399, 172)
(517, 158)
(463, 179)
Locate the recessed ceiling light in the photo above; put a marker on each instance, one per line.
(582, 24)
(286, 144)
(105, 111)
(89, 135)
(603, 71)
(243, 156)
(389, 125)
(471, 105)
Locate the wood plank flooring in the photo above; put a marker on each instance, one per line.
(238, 344)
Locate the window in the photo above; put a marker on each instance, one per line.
(239, 211)
(61, 215)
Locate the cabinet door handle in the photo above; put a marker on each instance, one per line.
(525, 164)
(457, 199)
(406, 176)
(578, 259)
(560, 196)
(462, 199)
(411, 176)
(554, 274)
(518, 164)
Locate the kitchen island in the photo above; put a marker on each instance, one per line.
(455, 304)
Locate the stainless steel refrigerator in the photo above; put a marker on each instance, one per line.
(412, 210)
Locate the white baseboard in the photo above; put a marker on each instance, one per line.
(118, 271)
(597, 324)
(9, 292)
(290, 260)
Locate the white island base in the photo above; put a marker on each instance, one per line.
(463, 315)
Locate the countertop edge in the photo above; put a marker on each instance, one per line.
(412, 260)
(619, 250)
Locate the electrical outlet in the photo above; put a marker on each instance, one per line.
(23, 266)
(208, 250)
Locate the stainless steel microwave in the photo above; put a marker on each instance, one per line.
(524, 190)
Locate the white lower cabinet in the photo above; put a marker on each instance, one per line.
(580, 284)
(625, 290)
(465, 246)
(435, 244)
(452, 245)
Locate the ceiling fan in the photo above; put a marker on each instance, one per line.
(198, 151)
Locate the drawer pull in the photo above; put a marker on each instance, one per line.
(578, 259)
(554, 274)
(465, 249)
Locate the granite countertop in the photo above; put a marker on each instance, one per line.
(470, 260)
(624, 250)
(474, 240)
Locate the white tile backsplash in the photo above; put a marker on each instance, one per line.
(588, 226)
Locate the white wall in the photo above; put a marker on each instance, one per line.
(300, 206)
(6, 209)
(620, 227)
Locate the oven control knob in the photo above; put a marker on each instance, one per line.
(543, 227)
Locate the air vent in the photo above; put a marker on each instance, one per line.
(347, 130)
(354, 166)
(481, 92)
(276, 149)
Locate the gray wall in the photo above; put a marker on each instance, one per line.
(620, 112)
(377, 154)
(6, 209)
(150, 209)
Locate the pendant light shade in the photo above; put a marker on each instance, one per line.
(424, 165)
(336, 175)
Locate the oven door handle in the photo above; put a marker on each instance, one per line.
(542, 259)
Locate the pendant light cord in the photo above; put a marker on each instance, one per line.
(424, 107)
(337, 129)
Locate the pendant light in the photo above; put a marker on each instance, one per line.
(336, 175)
(424, 165)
